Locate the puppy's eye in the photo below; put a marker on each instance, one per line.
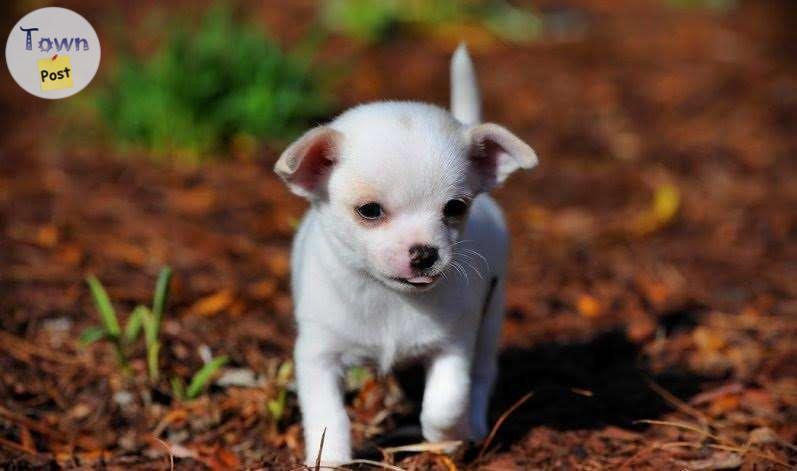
(370, 211)
(455, 209)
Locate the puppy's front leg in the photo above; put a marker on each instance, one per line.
(319, 383)
(444, 414)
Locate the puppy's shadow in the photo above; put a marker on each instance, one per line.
(584, 385)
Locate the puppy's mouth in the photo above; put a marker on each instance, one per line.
(422, 281)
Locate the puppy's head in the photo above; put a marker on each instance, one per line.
(393, 183)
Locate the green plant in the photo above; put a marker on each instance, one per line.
(367, 20)
(276, 406)
(356, 377)
(142, 317)
(109, 327)
(149, 320)
(373, 20)
(199, 381)
(716, 5)
(206, 88)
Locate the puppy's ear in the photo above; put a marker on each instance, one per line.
(305, 164)
(496, 153)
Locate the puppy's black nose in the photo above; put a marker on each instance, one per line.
(422, 256)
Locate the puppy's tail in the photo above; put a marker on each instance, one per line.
(465, 101)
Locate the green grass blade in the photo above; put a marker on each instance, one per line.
(152, 361)
(356, 377)
(91, 335)
(276, 406)
(285, 373)
(178, 388)
(150, 326)
(161, 293)
(134, 323)
(104, 307)
(203, 376)
(121, 358)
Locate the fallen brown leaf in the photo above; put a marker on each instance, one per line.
(212, 304)
(718, 460)
(589, 306)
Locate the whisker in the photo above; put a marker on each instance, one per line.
(472, 266)
(484, 259)
(466, 258)
(476, 270)
(459, 242)
(456, 267)
(463, 271)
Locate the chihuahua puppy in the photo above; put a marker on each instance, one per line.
(401, 256)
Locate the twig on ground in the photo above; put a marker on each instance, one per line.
(582, 392)
(685, 426)
(677, 403)
(17, 447)
(29, 423)
(378, 464)
(500, 422)
(708, 396)
(168, 450)
(171, 416)
(437, 447)
(648, 449)
(746, 450)
(24, 350)
(723, 444)
(740, 450)
(320, 450)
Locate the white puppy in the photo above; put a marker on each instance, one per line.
(401, 256)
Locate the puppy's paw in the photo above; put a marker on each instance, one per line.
(336, 448)
(442, 427)
(329, 457)
(327, 463)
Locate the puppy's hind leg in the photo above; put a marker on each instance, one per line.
(485, 361)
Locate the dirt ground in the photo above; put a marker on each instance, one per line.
(652, 302)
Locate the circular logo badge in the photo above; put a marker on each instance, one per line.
(53, 52)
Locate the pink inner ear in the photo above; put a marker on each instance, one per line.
(485, 161)
(315, 165)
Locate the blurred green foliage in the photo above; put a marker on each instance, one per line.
(373, 20)
(205, 88)
(718, 5)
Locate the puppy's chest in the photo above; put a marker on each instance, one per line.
(386, 332)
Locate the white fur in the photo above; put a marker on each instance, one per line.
(412, 158)
(465, 102)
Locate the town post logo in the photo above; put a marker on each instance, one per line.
(53, 52)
